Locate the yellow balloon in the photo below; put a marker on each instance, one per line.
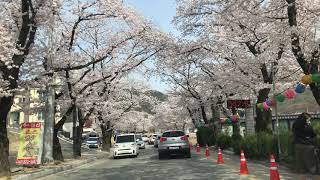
(306, 79)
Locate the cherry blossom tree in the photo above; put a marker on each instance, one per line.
(18, 27)
(245, 36)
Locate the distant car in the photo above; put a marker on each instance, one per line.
(152, 138)
(93, 142)
(173, 142)
(156, 142)
(140, 142)
(145, 138)
(125, 145)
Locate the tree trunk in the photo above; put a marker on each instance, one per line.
(57, 152)
(192, 117)
(203, 113)
(263, 118)
(5, 104)
(215, 117)
(106, 137)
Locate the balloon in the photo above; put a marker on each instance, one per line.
(300, 88)
(271, 102)
(280, 98)
(290, 94)
(306, 79)
(265, 106)
(260, 106)
(315, 78)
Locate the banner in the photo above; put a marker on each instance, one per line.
(30, 143)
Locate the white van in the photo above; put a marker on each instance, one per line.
(125, 145)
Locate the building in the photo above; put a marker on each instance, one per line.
(28, 106)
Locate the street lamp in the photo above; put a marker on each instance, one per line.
(276, 107)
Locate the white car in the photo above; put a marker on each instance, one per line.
(125, 145)
(140, 142)
(145, 138)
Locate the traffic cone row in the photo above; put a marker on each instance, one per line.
(243, 164)
(198, 148)
(274, 174)
(220, 158)
(207, 151)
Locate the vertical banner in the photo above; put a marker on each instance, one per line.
(30, 143)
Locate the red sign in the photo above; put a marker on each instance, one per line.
(31, 125)
(238, 104)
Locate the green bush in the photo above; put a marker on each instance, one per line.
(205, 135)
(235, 143)
(223, 141)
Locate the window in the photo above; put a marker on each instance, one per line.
(139, 137)
(40, 116)
(173, 134)
(125, 139)
(93, 139)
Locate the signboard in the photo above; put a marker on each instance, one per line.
(238, 104)
(30, 141)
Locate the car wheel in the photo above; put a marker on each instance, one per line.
(188, 154)
(115, 157)
(161, 155)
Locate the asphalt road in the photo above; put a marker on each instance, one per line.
(148, 166)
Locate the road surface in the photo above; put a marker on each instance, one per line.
(147, 166)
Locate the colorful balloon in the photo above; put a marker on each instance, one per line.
(300, 88)
(290, 94)
(315, 78)
(280, 98)
(306, 79)
(259, 106)
(265, 106)
(270, 102)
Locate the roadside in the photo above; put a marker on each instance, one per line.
(257, 169)
(19, 172)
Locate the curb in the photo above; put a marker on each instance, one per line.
(284, 168)
(48, 172)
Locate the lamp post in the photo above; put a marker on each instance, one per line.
(276, 107)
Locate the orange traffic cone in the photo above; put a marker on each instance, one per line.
(198, 148)
(274, 174)
(207, 151)
(243, 164)
(220, 159)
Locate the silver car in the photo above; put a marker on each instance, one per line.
(173, 142)
(157, 140)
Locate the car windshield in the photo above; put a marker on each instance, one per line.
(92, 139)
(173, 134)
(138, 137)
(124, 139)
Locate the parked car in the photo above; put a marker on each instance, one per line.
(173, 142)
(140, 142)
(125, 145)
(145, 138)
(156, 142)
(152, 138)
(93, 142)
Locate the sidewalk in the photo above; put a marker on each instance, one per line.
(88, 155)
(257, 169)
(42, 171)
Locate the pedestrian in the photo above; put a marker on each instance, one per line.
(304, 144)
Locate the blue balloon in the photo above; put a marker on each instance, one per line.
(300, 88)
(268, 102)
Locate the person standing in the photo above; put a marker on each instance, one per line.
(305, 144)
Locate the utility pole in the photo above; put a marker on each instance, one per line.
(47, 151)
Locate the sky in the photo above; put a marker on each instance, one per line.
(161, 13)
